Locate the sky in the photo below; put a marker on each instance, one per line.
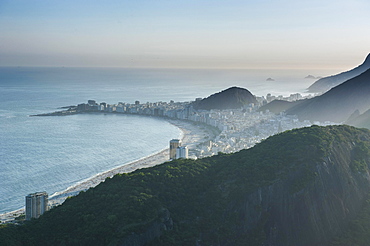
(246, 34)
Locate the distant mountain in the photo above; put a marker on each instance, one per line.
(310, 77)
(231, 98)
(360, 120)
(326, 83)
(338, 104)
(298, 188)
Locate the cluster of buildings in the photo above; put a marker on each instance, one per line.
(292, 97)
(242, 129)
(165, 109)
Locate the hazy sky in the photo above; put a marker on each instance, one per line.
(189, 33)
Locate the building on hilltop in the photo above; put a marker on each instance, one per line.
(174, 143)
(36, 204)
(182, 152)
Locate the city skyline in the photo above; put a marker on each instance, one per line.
(185, 34)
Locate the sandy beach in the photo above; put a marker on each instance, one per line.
(191, 136)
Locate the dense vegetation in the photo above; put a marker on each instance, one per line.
(197, 194)
(231, 98)
(358, 230)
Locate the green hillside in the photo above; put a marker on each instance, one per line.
(247, 198)
(231, 98)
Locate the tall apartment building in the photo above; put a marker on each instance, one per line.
(182, 152)
(174, 143)
(36, 204)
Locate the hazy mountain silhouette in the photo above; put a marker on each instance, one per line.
(338, 104)
(360, 120)
(326, 83)
(231, 98)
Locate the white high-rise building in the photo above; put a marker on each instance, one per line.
(174, 143)
(36, 204)
(182, 152)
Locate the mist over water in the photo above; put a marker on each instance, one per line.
(53, 153)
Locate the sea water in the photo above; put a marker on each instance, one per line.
(53, 153)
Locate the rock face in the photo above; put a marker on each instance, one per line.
(155, 230)
(302, 209)
(313, 215)
(338, 104)
(326, 83)
(230, 98)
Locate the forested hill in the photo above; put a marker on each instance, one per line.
(301, 187)
(326, 83)
(231, 98)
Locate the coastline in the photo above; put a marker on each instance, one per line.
(191, 135)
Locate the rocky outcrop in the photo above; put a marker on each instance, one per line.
(155, 230)
(314, 214)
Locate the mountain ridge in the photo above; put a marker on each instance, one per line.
(339, 103)
(326, 83)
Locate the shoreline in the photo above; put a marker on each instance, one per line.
(190, 136)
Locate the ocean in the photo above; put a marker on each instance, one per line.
(53, 153)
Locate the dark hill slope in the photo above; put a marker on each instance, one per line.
(231, 98)
(338, 104)
(325, 84)
(300, 187)
(278, 106)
